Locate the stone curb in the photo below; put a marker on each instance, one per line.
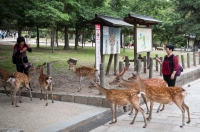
(75, 121)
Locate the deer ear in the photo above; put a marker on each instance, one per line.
(44, 64)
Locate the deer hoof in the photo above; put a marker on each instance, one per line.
(46, 104)
(130, 113)
(12, 103)
(112, 122)
(145, 126)
(148, 119)
(157, 111)
(188, 122)
(31, 99)
(148, 112)
(52, 101)
(131, 123)
(40, 98)
(17, 105)
(20, 101)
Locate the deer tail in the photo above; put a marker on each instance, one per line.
(139, 94)
(49, 80)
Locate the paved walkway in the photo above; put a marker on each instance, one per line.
(35, 116)
(168, 120)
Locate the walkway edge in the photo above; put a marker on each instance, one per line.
(75, 121)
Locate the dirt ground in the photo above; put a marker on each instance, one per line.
(66, 82)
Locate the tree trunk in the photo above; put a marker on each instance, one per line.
(66, 47)
(57, 37)
(37, 38)
(19, 31)
(76, 40)
(82, 39)
(52, 39)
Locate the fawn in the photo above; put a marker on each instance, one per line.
(45, 82)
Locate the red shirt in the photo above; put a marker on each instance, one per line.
(169, 65)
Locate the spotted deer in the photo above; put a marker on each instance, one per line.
(4, 77)
(132, 85)
(164, 95)
(122, 97)
(83, 71)
(17, 80)
(45, 82)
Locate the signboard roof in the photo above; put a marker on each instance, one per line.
(141, 19)
(108, 21)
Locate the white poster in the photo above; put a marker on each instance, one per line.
(97, 47)
(144, 39)
(111, 40)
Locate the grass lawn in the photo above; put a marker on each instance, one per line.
(85, 56)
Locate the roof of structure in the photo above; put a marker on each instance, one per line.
(107, 21)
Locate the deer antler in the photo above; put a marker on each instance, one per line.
(123, 71)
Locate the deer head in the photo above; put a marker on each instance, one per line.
(39, 67)
(134, 77)
(116, 81)
(71, 66)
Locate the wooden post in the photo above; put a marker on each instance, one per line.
(148, 59)
(145, 64)
(151, 68)
(115, 63)
(102, 74)
(49, 69)
(194, 59)
(188, 60)
(126, 60)
(156, 63)
(138, 66)
(135, 46)
(182, 60)
(161, 59)
(199, 57)
(109, 64)
(121, 66)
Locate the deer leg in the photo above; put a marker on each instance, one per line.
(136, 112)
(20, 91)
(187, 109)
(124, 108)
(46, 96)
(159, 108)
(151, 108)
(41, 96)
(115, 113)
(11, 95)
(51, 93)
(112, 110)
(14, 94)
(131, 111)
(163, 108)
(5, 90)
(27, 86)
(145, 101)
(80, 80)
(181, 107)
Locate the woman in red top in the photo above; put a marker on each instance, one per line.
(169, 66)
(19, 53)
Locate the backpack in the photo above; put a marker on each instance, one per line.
(180, 68)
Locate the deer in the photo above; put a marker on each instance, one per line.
(132, 85)
(45, 82)
(18, 80)
(164, 95)
(122, 97)
(83, 71)
(4, 77)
